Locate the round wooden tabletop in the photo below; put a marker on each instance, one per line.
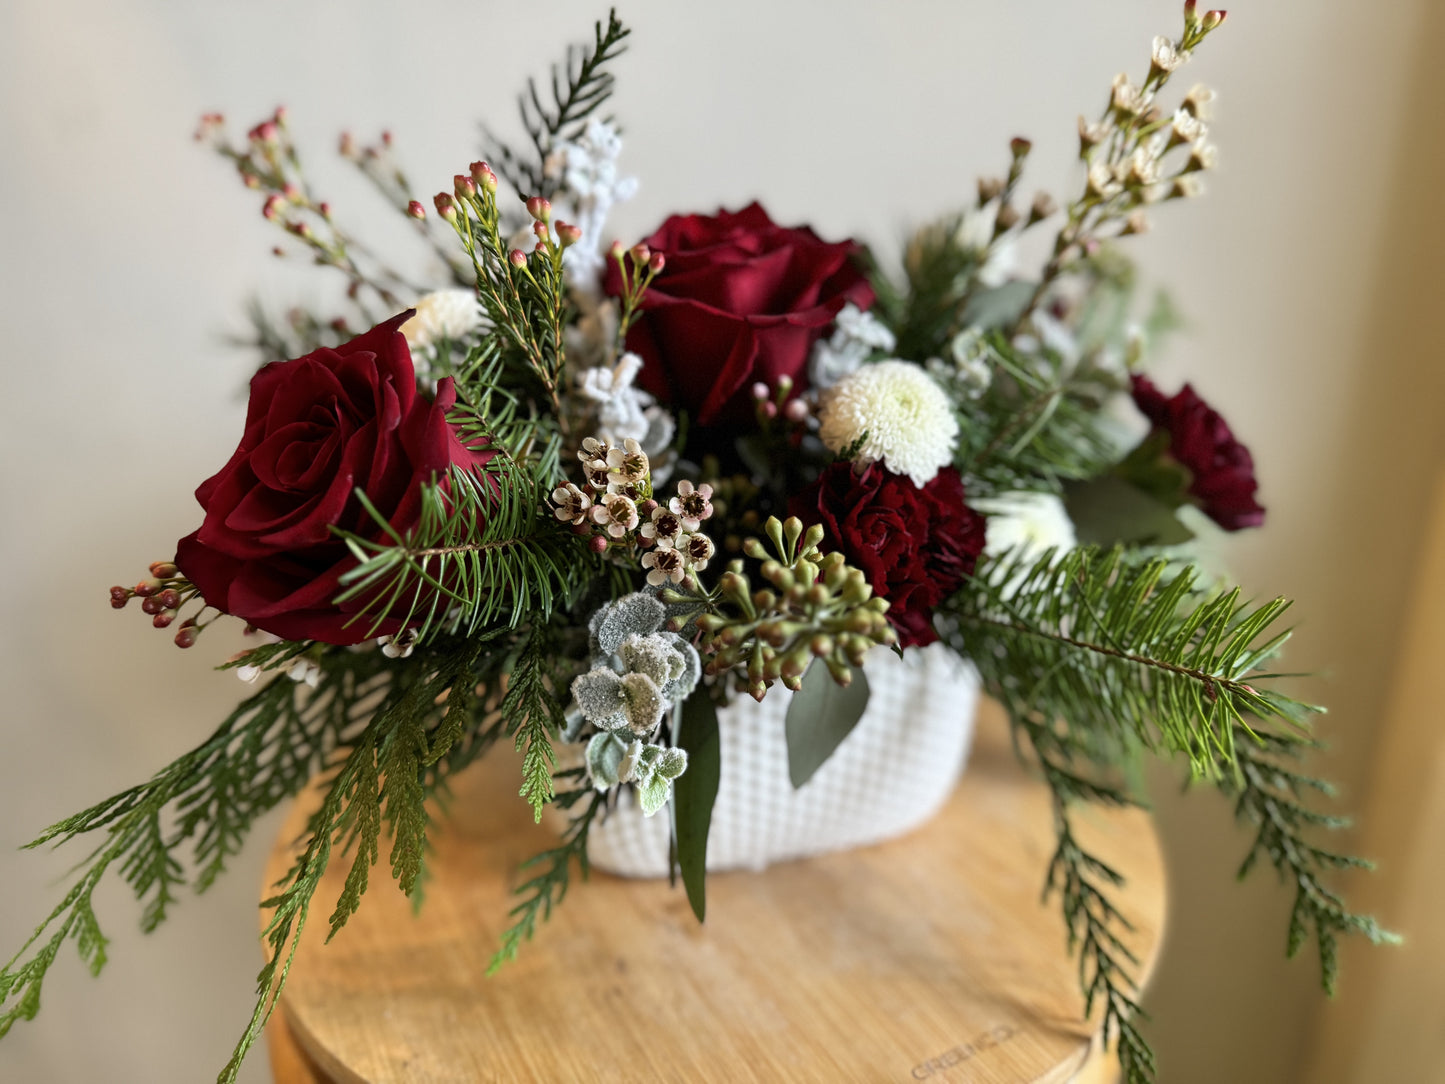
(926, 958)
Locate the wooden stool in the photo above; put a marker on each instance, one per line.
(927, 958)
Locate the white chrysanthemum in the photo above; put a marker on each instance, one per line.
(1029, 525)
(900, 414)
(445, 314)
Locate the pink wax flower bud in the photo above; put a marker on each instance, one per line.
(796, 410)
(539, 208)
(540, 246)
(446, 206)
(1189, 17)
(616, 251)
(346, 145)
(281, 114)
(641, 254)
(539, 230)
(1213, 20)
(416, 210)
(324, 210)
(568, 234)
(657, 263)
(464, 186)
(386, 139)
(760, 391)
(271, 209)
(484, 177)
(250, 180)
(785, 385)
(1019, 146)
(517, 258)
(770, 409)
(597, 543)
(291, 190)
(265, 132)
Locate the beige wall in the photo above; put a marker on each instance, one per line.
(1309, 273)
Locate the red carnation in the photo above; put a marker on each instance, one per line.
(741, 300)
(914, 544)
(317, 428)
(1221, 467)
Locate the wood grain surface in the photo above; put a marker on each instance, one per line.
(927, 958)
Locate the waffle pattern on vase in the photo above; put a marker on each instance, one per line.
(890, 775)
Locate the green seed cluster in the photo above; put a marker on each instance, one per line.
(816, 606)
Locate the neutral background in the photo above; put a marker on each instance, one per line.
(1310, 275)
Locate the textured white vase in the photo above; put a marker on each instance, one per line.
(892, 773)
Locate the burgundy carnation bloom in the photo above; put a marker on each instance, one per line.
(1222, 468)
(741, 300)
(914, 544)
(317, 428)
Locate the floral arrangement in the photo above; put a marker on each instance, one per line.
(573, 494)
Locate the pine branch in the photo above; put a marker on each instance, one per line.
(1113, 645)
(1038, 424)
(548, 888)
(483, 549)
(588, 86)
(1103, 652)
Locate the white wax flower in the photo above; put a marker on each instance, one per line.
(902, 417)
(445, 314)
(1000, 257)
(1029, 525)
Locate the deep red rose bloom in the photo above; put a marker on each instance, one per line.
(316, 429)
(741, 300)
(914, 545)
(1222, 468)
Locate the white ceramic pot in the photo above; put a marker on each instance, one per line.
(892, 773)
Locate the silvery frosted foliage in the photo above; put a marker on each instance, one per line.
(612, 701)
(637, 614)
(652, 768)
(857, 336)
(588, 170)
(667, 658)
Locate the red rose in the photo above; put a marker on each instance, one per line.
(741, 300)
(316, 429)
(914, 545)
(1222, 469)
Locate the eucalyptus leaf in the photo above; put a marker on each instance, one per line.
(1000, 306)
(696, 791)
(821, 714)
(1109, 510)
(654, 794)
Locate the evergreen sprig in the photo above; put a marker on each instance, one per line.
(1271, 794)
(533, 717)
(547, 888)
(579, 87)
(483, 550)
(204, 803)
(1040, 422)
(1096, 654)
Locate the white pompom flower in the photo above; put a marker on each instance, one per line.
(1027, 525)
(445, 314)
(898, 412)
